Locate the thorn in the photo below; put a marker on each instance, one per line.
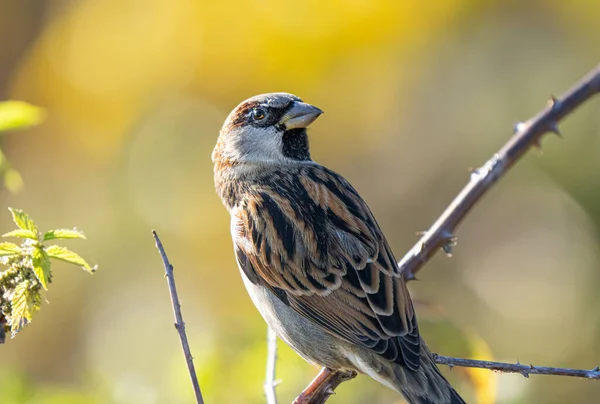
(596, 369)
(553, 102)
(554, 129)
(518, 363)
(531, 366)
(519, 126)
(409, 276)
(525, 375)
(474, 173)
(450, 366)
(329, 391)
(450, 242)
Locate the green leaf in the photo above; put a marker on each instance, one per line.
(13, 181)
(23, 220)
(19, 114)
(7, 249)
(25, 301)
(63, 254)
(63, 233)
(41, 266)
(21, 233)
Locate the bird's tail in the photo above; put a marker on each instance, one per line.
(426, 385)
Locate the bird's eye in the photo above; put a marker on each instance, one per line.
(258, 114)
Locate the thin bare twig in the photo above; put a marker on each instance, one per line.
(270, 382)
(527, 134)
(525, 370)
(179, 324)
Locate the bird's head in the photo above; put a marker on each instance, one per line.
(267, 128)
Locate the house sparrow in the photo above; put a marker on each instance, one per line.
(313, 259)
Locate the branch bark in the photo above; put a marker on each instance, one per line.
(441, 234)
(525, 370)
(179, 324)
(323, 386)
(270, 382)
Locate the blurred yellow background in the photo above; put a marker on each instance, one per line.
(414, 92)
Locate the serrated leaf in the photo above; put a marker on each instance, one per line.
(25, 301)
(63, 254)
(41, 266)
(21, 233)
(19, 114)
(23, 220)
(63, 233)
(7, 249)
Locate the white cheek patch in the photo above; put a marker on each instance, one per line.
(250, 144)
(269, 147)
(263, 145)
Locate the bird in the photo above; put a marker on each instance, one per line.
(313, 258)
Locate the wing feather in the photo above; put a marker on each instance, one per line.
(314, 242)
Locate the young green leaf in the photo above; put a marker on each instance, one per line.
(19, 114)
(23, 220)
(41, 265)
(25, 302)
(21, 233)
(63, 233)
(7, 249)
(63, 254)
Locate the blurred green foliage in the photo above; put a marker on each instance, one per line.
(16, 115)
(19, 115)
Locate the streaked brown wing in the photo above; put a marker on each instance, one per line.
(314, 242)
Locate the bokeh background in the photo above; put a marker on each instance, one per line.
(414, 92)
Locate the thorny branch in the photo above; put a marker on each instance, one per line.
(179, 324)
(525, 370)
(527, 134)
(441, 233)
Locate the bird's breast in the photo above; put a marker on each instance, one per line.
(310, 341)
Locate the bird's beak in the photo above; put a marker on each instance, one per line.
(300, 115)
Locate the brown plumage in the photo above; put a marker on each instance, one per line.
(312, 256)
